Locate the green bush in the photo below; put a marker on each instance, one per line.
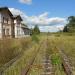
(56, 59)
(35, 38)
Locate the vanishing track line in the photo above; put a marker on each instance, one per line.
(47, 63)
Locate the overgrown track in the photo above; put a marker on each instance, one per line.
(7, 65)
(47, 63)
(48, 68)
(28, 67)
(66, 63)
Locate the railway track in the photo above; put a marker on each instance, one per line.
(65, 63)
(28, 67)
(47, 64)
(26, 70)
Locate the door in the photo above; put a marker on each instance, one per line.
(7, 32)
(3, 32)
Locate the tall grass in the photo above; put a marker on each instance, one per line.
(35, 38)
(67, 45)
(22, 63)
(10, 48)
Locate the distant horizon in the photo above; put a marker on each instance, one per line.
(50, 15)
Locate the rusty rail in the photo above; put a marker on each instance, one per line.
(65, 63)
(26, 70)
(7, 65)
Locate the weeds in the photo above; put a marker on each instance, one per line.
(10, 48)
(35, 38)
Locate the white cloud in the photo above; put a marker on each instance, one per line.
(60, 27)
(44, 20)
(26, 1)
(44, 15)
(48, 28)
(17, 12)
(56, 20)
(45, 23)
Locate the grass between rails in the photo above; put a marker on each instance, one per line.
(37, 67)
(67, 44)
(55, 58)
(22, 63)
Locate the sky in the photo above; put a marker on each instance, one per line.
(49, 15)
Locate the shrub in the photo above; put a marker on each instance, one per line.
(35, 38)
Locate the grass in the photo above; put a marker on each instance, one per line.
(55, 57)
(35, 38)
(28, 54)
(29, 46)
(67, 44)
(10, 48)
(21, 63)
(37, 67)
(62, 41)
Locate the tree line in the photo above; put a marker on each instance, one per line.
(70, 26)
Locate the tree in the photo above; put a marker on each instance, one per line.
(65, 29)
(36, 30)
(70, 26)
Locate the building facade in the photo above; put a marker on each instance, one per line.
(6, 23)
(17, 25)
(25, 31)
(10, 26)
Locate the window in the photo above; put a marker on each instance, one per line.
(5, 20)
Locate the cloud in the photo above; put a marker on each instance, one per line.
(43, 19)
(19, 12)
(44, 15)
(48, 28)
(56, 20)
(44, 22)
(25, 1)
(60, 27)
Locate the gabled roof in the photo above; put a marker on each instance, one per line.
(11, 15)
(6, 8)
(17, 17)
